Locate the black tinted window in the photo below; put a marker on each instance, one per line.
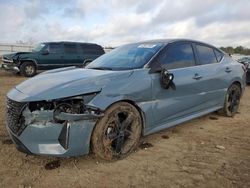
(70, 48)
(91, 49)
(218, 54)
(55, 48)
(206, 54)
(178, 56)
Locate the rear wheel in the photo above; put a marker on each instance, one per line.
(117, 134)
(232, 101)
(28, 69)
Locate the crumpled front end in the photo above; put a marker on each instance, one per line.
(57, 127)
(8, 64)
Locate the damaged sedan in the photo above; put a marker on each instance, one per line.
(132, 91)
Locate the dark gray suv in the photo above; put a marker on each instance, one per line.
(50, 55)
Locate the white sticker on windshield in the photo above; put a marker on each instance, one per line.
(147, 46)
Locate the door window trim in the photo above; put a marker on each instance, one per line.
(165, 48)
(213, 48)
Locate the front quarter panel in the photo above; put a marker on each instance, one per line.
(33, 57)
(136, 89)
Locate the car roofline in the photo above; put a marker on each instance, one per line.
(69, 42)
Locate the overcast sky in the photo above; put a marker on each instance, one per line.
(115, 22)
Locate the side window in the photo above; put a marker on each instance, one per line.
(70, 48)
(178, 56)
(206, 55)
(91, 49)
(218, 55)
(55, 48)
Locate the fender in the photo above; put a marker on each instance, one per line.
(145, 108)
(24, 60)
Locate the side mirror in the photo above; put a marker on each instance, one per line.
(45, 52)
(167, 80)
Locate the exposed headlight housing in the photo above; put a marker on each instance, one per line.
(66, 107)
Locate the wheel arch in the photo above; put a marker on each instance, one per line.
(133, 103)
(103, 102)
(91, 147)
(236, 82)
(28, 60)
(142, 114)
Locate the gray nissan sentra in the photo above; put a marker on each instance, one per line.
(132, 91)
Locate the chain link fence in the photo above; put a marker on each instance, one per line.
(9, 48)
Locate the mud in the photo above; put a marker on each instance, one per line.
(52, 165)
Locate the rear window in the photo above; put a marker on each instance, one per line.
(206, 55)
(70, 48)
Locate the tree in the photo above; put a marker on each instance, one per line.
(237, 50)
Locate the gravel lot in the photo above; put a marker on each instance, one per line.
(211, 151)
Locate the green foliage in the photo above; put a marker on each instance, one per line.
(237, 50)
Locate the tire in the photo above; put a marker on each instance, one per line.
(28, 69)
(117, 133)
(232, 101)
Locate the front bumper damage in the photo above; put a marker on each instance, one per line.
(9, 65)
(40, 134)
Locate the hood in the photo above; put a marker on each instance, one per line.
(65, 83)
(15, 55)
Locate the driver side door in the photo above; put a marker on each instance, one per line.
(170, 105)
(54, 58)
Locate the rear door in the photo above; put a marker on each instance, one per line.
(71, 56)
(54, 59)
(169, 105)
(214, 75)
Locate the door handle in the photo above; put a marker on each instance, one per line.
(228, 70)
(197, 76)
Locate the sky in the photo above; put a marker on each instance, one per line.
(117, 22)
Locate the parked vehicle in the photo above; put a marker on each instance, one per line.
(51, 55)
(132, 91)
(246, 61)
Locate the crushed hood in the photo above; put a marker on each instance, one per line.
(14, 55)
(65, 83)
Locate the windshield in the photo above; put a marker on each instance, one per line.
(131, 56)
(38, 47)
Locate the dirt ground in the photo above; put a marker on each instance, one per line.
(211, 151)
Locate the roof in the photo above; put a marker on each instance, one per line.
(70, 42)
(167, 41)
(172, 40)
